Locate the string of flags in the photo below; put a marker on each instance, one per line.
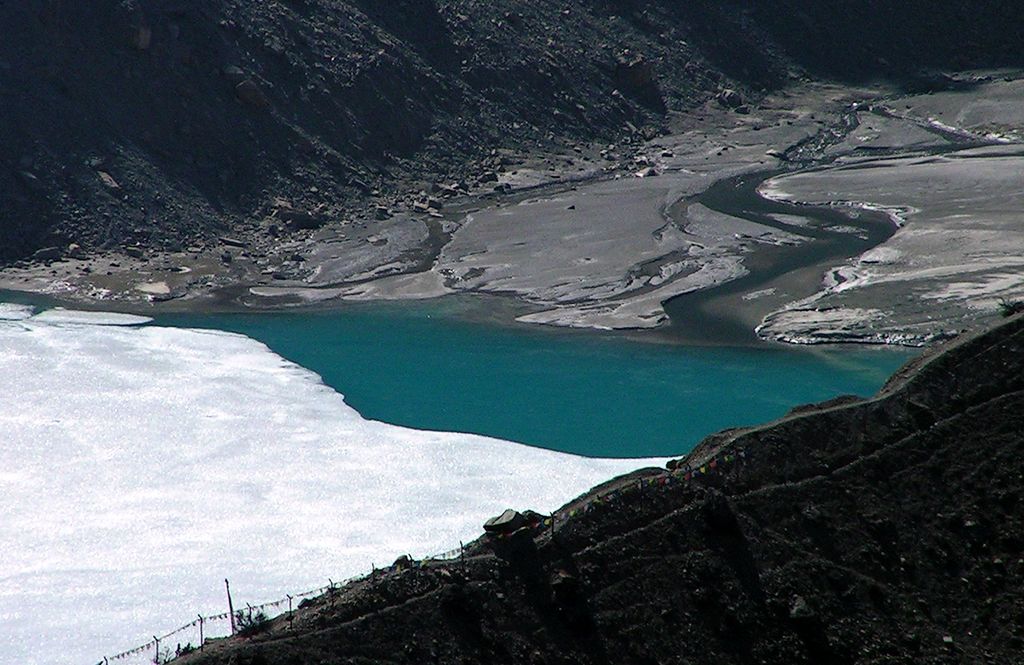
(685, 474)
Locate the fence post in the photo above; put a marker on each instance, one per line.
(156, 656)
(462, 555)
(231, 607)
(202, 640)
(289, 610)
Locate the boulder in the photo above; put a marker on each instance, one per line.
(108, 180)
(800, 610)
(47, 254)
(636, 77)
(250, 93)
(31, 181)
(234, 74)
(635, 73)
(506, 523)
(565, 588)
(729, 98)
(300, 219)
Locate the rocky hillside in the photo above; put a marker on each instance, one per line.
(160, 122)
(879, 531)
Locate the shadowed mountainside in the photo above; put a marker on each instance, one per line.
(159, 122)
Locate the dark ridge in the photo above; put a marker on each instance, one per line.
(879, 531)
(160, 122)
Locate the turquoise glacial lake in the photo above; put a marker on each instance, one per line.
(420, 366)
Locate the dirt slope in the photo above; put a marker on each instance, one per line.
(158, 123)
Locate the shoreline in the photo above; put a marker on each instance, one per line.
(693, 266)
(200, 283)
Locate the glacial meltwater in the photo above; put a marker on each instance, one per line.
(144, 463)
(424, 366)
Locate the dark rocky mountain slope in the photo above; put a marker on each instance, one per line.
(879, 531)
(160, 122)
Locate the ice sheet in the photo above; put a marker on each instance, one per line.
(71, 316)
(139, 467)
(14, 312)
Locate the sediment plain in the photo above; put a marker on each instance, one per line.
(607, 247)
(957, 254)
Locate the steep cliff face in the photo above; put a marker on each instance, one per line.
(879, 531)
(152, 122)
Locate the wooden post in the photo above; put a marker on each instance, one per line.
(202, 639)
(462, 555)
(231, 607)
(289, 610)
(156, 658)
